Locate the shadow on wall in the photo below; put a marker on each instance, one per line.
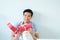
(44, 31)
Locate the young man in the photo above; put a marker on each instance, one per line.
(28, 14)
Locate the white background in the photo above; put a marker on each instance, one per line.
(46, 16)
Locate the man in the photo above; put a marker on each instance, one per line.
(28, 14)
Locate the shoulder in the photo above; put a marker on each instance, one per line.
(33, 23)
(35, 27)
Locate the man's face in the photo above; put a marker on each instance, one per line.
(27, 16)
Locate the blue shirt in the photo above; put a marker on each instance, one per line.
(33, 25)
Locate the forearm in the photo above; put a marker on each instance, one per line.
(34, 37)
(15, 36)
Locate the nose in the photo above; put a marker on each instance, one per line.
(26, 17)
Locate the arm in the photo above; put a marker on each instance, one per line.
(34, 35)
(15, 36)
(37, 35)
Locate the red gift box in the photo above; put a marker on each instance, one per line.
(12, 27)
(20, 27)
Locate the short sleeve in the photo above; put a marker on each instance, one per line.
(35, 27)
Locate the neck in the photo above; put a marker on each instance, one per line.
(24, 22)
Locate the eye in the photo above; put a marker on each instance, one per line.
(25, 15)
(29, 16)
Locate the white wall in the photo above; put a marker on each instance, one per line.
(46, 16)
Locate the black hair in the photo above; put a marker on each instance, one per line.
(28, 10)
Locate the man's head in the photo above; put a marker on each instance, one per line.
(27, 13)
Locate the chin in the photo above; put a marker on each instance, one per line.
(27, 21)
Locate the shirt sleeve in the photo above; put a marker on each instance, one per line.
(35, 27)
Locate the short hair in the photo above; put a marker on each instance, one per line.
(28, 10)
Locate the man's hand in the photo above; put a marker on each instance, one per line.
(15, 36)
(31, 31)
(34, 35)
